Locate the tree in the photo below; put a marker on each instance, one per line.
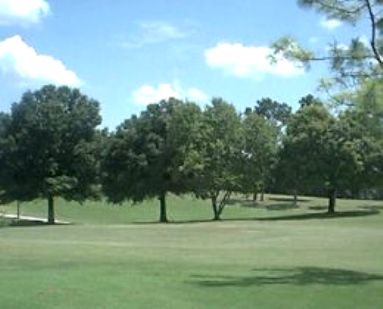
(353, 65)
(277, 113)
(49, 150)
(259, 151)
(147, 156)
(300, 150)
(218, 149)
(330, 153)
(5, 120)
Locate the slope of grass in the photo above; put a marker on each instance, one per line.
(267, 255)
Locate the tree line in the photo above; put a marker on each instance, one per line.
(51, 146)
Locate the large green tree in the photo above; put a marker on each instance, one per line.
(327, 152)
(49, 150)
(218, 151)
(150, 156)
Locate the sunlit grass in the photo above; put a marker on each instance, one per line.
(267, 255)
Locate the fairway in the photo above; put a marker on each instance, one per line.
(268, 256)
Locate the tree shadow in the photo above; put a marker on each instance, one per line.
(244, 203)
(372, 207)
(288, 199)
(259, 205)
(279, 206)
(323, 215)
(27, 223)
(292, 276)
(304, 216)
(318, 207)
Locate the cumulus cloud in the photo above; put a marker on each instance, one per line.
(22, 11)
(19, 60)
(330, 24)
(148, 94)
(249, 61)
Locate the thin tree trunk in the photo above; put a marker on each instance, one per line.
(215, 208)
(295, 198)
(18, 209)
(331, 201)
(262, 195)
(163, 216)
(51, 210)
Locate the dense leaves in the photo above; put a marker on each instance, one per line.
(48, 150)
(147, 157)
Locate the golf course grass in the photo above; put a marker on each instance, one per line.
(264, 255)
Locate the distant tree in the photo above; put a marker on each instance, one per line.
(309, 100)
(5, 120)
(148, 156)
(276, 115)
(218, 148)
(275, 112)
(49, 150)
(259, 151)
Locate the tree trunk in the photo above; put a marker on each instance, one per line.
(51, 210)
(18, 210)
(262, 195)
(215, 208)
(331, 201)
(255, 195)
(295, 198)
(163, 216)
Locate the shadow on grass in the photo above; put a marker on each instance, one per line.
(323, 215)
(260, 205)
(27, 223)
(291, 276)
(288, 199)
(297, 217)
(318, 207)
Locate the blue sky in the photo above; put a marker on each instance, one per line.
(126, 54)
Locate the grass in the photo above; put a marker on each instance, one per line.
(267, 255)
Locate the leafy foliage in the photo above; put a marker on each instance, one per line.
(147, 157)
(48, 150)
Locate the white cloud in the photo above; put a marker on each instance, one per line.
(330, 24)
(197, 95)
(249, 61)
(148, 94)
(154, 32)
(18, 59)
(22, 11)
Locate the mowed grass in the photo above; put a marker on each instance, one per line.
(269, 255)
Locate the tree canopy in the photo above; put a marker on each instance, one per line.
(48, 150)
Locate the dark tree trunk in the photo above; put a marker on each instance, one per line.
(215, 208)
(255, 195)
(262, 195)
(295, 198)
(51, 210)
(163, 216)
(331, 201)
(18, 209)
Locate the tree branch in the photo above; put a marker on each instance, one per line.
(373, 34)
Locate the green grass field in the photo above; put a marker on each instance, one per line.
(268, 256)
